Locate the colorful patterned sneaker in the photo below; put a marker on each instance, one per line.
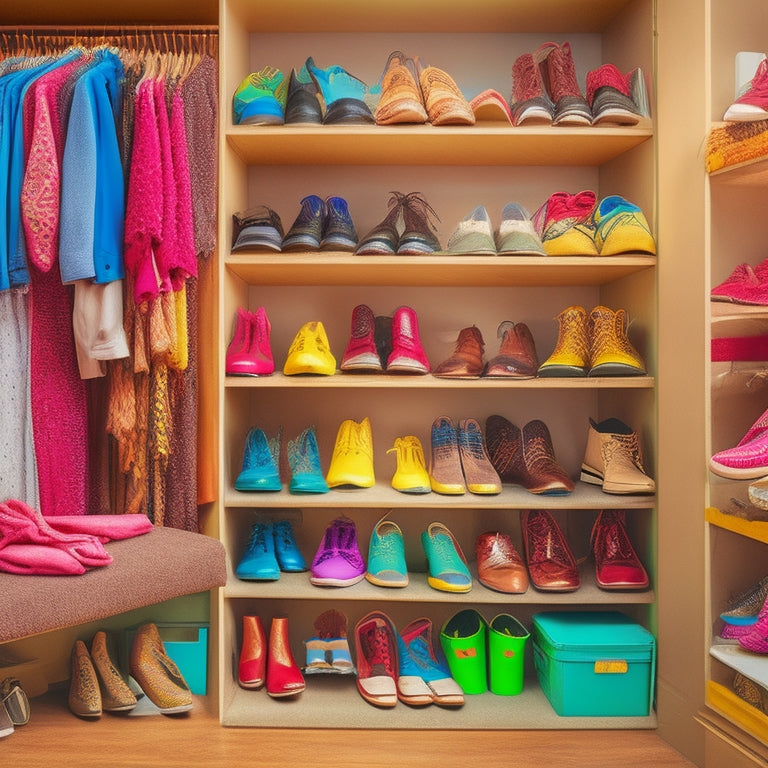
(302, 104)
(259, 562)
(752, 104)
(343, 95)
(260, 98)
(443, 99)
(516, 235)
(608, 94)
(530, 102)
(474, 235)
(610, 351)
(479, 473)
(570, 356)
(338, 230)
(310, 352)
(307, 229)
(383, 239)
(419, 232)
(743, 609)
(621, 227)
(411, 474)
(338, 562)
(749, 459)
(745, 285)
(558, 73)
(756, 640)
(260, 463)
(447, 566)
(386, 556)
(406, 355)
(259, 228)
(361, 353)
(564, 224)
(445, 473)
(401, 100)
(304, 461)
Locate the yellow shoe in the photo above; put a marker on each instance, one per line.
(571, 354)
(411, 475)
(310, 352)
(610, 351)
(621, 227)
(352, 460)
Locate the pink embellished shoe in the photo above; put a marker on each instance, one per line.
(756, 640)
(407, 355)
(749, 459)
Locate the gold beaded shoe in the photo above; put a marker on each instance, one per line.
(116, 696)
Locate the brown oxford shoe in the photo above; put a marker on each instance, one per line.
(517, 356)
(499, 565)
(466, 362)
(545, 475)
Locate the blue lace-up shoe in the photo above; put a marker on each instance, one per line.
(386, 556)
(304, 460)
(342, 93)
(448, 569)
(260, 463)
(307, 230)
(288, 555)
(259, 562)
(339, 233)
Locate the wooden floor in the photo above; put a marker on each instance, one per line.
(54, 738)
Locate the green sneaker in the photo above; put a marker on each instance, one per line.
(260, 98)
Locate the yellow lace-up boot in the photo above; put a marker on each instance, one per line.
(570, 356)
(610, 351)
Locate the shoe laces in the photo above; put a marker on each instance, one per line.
(538, 452)
(418, 214)
(572, 333)
(283, 533)
(622, 450)
(470, 340)
(257, 541)
(409, 451)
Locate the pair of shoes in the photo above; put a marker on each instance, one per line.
(398, 335)
(412, 93)
(272, 664)
(328, 649)
(310, 352)
(403, 665)
(260, 98)
(342, 95)
(752, 104)
(261, 462)
(617, 565)
(337, 561)
(545, 89)
(249, 353)
(407, 229)
(743, 609)
(157, 674)
(447, 568)
(613, 459)
(499, 565)
(352, 459)
(592, 345)
(551, 564)
(257, 229)
(748, 459)
(386, 555)
(475, 235)
(745, 285)
(321, 225)
(96, 684)
(576, 225)
(459, 460)
(271, 549)
(485, 655)
(526, 457)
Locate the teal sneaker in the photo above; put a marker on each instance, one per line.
(259, 562)
(447, 565)
(260, 463)
(386, 556)
(304, 460)
(260, 98)
(343, 95)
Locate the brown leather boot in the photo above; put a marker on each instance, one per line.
(517, 356)
(466, 362)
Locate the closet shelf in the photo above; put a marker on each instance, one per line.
(753, 529)
(584, 496)
(741, 660)
(296, 586)
(335, 268)
(430, 145)
(725, 701)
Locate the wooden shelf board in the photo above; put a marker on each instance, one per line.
(753, 529)
(739, 659)
(749, 173)
(333, 268)
(431, 145)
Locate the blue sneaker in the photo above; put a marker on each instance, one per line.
(260, 463)
(447, 565)
(339, 232)
(304, 460)
(259, 562)
(260, 98)
(287, 552)
(386, 556)
(342, 93)
(307, 230)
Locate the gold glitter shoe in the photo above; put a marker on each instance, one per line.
(84, 695)
(157, 674)
(116, 696)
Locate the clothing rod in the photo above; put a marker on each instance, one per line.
(119, 29)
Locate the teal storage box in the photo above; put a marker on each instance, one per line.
(594, 663)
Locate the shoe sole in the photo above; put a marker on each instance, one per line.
(735, 473)
(443, 586)
(331, 582)
(380, 583)
(593, 477)
(615, 369)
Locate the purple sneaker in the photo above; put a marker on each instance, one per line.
(338, 562)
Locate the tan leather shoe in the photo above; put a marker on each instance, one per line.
(499, 565)
(613, 459)
(610, 351)
(445, 103)
(517, 356)
(466, 362)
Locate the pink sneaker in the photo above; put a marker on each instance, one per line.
(407, 355)
(753, 103)
(361, 353)
(747, 460)
(744, 285)
(756, 639)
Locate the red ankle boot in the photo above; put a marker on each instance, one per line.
(284, 677)
(253, 654)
